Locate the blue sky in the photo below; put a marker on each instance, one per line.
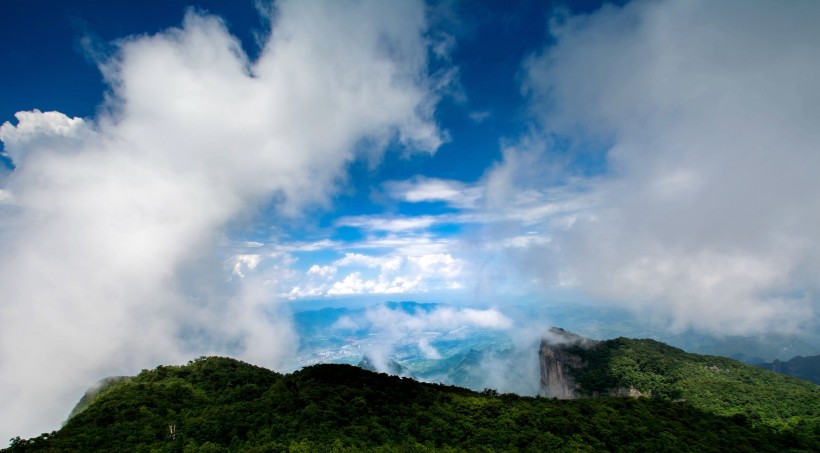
(479, 107)
(181, 176)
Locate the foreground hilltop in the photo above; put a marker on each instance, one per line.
(220, 404)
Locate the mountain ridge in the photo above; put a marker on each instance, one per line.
(222, 404)
(216, 404)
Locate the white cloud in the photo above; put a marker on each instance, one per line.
(351, 284)
(357, 259)
(303, 291)
(354, 284)
(389, 224)
(248, 261)
(440, 264)
(439, 318)
(36, 129)
(110, 255)
(322, 271)
(407, 245)
(420, 189)
(707, 215)
(427, 349)
(383, 274)
(499, 197)
(308, 246)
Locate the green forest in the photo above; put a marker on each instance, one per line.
(215, 404)
(715, 384)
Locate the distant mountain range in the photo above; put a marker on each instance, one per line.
(807, 368)
(749, 349)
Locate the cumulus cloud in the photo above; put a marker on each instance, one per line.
(36, 129)
(386, 263)
(248, 261)
(110, 227)
(381, 274)
(706, 215)
(322, 271)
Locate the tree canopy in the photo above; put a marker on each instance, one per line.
(219, 404)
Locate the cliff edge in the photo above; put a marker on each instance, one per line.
(557, 360)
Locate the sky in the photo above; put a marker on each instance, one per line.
(179, 177)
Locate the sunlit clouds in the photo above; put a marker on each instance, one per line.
(111, 256)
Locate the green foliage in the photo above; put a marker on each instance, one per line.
(714, 384)
(222, 405)
(103, 386)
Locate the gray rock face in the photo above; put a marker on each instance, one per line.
(557, 363)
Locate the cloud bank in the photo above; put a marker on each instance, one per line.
(110, 227)
(706, 215)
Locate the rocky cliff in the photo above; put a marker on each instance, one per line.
(557, 361)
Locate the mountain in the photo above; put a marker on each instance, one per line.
(749, 349)
(575, 367)
(807, 368)
(217, 404)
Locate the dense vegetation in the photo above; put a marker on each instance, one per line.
(218, 404)
(714, 384)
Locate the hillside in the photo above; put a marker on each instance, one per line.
(219, 404)
(648, 368)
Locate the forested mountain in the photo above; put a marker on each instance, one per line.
(573, 366)
(220, 404)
